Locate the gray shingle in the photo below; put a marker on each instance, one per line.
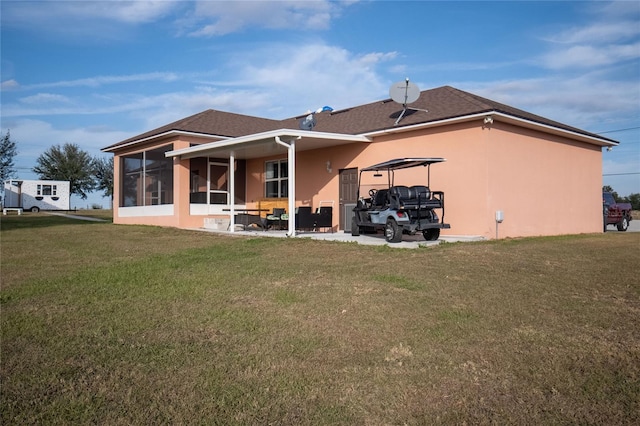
(442, 103)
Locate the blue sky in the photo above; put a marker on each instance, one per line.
(97, 72)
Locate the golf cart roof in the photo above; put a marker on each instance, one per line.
(403, 163)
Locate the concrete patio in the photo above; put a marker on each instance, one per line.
(408, 241)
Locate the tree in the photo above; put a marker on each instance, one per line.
(7, 152)
(67, 162)
(103, 174)
(634, 199)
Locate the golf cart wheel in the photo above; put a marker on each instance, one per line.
(431, 234)
(355, 229)
(35, 209)
(392, 232)
(623, 225)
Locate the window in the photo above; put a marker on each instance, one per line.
(47, 190)
(147, 178)
(276, 179)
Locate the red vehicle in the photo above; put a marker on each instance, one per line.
(618, 214)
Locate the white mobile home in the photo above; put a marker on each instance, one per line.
(36, 195)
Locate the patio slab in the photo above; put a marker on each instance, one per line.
(408, 241)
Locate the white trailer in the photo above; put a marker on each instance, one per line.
(36, 195)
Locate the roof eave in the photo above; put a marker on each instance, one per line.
(582, 137)
(151, 138)
(602, 142)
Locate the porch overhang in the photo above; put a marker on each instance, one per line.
(265, 144)
(277, 142)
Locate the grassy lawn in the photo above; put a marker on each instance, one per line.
(112, 324)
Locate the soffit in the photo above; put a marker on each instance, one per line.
(265, 145)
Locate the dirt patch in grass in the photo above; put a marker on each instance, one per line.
(126, 324)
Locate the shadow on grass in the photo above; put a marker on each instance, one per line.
(40, 220)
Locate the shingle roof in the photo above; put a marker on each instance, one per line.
(442, 103)
(211, 122)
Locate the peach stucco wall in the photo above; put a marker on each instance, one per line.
(544, 184)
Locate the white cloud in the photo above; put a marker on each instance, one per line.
(138, 11)
(610, 38)
(600, 32)
(108, 79)
(50, 13)
(9, 85)
(588, 102)
(214, 18)
(45, 98)
(107, 19)
(586, 56)
(276, 82)
(319, 73)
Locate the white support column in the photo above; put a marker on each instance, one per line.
(291, 181)
(232, 190)
(292, 189)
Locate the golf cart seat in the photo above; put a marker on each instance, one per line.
(401, 191)
(402, 196)
(424, 197)
(380, 199)
(420, 192)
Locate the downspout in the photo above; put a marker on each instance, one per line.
(232, 190)
(291, 182)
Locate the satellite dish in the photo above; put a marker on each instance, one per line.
(308, 123)
(404, 92)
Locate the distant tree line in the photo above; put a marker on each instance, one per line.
(63, 162)
(633, 199)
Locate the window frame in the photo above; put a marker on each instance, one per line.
(282, 182)
(46, 189)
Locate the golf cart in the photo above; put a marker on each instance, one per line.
(398, 209)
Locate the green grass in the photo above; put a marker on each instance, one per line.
(103, 323)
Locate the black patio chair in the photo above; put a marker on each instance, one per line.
(324, 218)
(304, 218)
(275, 218)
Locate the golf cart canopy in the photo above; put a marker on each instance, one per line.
(403, 163)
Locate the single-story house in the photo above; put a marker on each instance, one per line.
(544, 177)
